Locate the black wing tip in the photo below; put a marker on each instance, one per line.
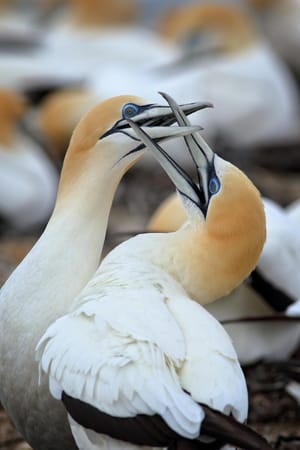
(229, 431)
(153, 430)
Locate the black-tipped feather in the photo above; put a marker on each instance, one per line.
(153, 430)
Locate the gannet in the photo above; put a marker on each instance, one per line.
(136, 354)
(236, 70)
(28, 180)
(59, 113)
(274, 287)
(293, 211)
(279, 21)
(43, 287)
(94, 34)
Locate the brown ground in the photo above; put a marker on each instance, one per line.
(273, 412)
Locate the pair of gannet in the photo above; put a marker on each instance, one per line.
(128, 353)
(28, 180)
(274, 287)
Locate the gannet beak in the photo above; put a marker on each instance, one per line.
(184, 184)
(202, 154)
(156, 120)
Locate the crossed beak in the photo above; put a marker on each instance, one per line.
(156, 121)
(200, 152)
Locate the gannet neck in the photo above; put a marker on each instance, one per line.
(228, 245)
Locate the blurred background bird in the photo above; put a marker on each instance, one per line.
(28, 179)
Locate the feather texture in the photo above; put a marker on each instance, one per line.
(127, 354)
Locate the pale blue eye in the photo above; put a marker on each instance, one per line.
(214, 185)
(130, 110)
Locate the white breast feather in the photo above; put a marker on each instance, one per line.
(108, 353)
(135, 341)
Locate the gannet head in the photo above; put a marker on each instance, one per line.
(263, 4)
(105, 127)
(226, 229)
(12, 107)
(104, 139)
(208, 28)
(89, 13)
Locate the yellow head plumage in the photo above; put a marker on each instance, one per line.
(225, 231)
(12, 106)
(222, 250)
(232, 28)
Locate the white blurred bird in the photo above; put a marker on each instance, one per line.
(94, 34)
(234, 68)
(280, 23)
(28, 180)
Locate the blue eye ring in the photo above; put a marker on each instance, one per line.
(214, 185)
(130, 110)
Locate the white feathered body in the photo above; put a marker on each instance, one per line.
(280, 260)
(279, 264)
(133, 342)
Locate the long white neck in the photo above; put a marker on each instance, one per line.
(43, 288)
(68, 252)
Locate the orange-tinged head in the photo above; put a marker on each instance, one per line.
(263, 4)
(216, 252)
(225, 231)
(12, 107)
(89, 13)
(223, 27)
(169, 216)
(103, 137)
(58, 115)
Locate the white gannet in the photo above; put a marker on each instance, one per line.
(28, 180)
(43, 287)
(135, 355)
(94, 34)
(274, 286)
(279, 21)
(293, 211)
(233, 67)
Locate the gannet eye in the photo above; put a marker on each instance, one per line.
(214, 185)
(130, 110)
